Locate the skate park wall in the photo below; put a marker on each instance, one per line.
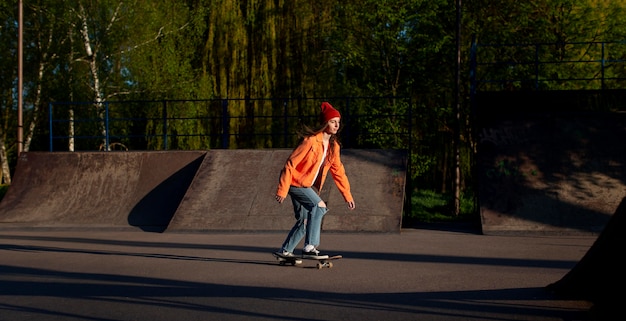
(215, 190)
(548, 166)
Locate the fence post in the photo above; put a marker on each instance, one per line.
(164, 115)
(50, 124)
(536, 67)
(348, 119)
(107, 136)
(473, 68)
(286, 124)
(409, 180)
(225, 124)
(602, 66)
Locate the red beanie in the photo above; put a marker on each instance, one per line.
(328, 112)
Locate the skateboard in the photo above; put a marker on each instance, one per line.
(296, 260)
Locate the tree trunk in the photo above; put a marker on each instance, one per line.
(457, 125)
(6, 171)
(93, 67)
(70, 117)
(33, 121)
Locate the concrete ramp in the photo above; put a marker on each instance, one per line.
(96, 189)
(548, 171)
(217, 190)
(234, 190)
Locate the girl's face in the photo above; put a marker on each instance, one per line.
(333, 125)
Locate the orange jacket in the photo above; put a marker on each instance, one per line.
(302, 164)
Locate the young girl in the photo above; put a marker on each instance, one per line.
(303, 178)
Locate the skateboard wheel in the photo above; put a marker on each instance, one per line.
(330, 264)
(320, 266)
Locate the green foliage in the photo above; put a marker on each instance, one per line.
(380, 47)
(421, 164)
(380, 122)
(3, 190)
(429, 206)
(552, 66)
(553, 33)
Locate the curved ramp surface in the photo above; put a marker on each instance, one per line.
(548, 171)
(234, 190)
(98, 189)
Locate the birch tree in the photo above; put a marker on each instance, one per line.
(8, 76)
(114, 48)
(92, 50)
(46, 26)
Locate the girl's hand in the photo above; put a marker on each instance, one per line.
(279, 199)
(351, 205)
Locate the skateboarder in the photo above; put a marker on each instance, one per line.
(303, 178)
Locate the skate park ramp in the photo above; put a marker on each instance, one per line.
(98, 189)
(216, 190)
(547, 169)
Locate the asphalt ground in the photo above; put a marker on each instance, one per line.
(431, 273)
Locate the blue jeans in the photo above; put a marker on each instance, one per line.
(308, 215)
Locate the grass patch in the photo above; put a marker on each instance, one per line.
(431, 207)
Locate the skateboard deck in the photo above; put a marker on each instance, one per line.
(321, 263)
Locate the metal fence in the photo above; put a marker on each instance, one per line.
(367, 122)
(548, 66)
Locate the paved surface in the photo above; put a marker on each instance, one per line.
(419, 274)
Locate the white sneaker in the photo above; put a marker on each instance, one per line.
(285, 254)
(313, 254)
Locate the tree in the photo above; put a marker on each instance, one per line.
(547, 31)
(45, 24)
(103, 46)
(8, 75)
